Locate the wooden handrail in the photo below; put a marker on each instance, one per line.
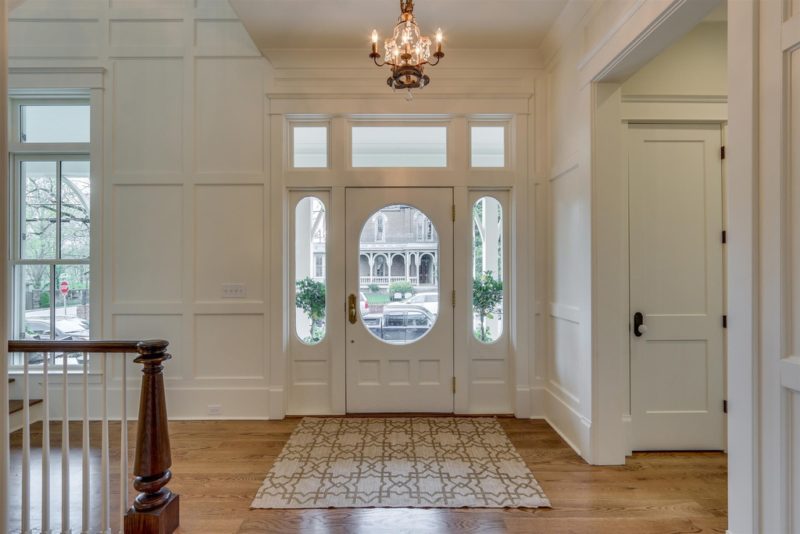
(116, 346)
(156, 508)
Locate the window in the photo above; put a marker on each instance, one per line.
(319, 265)
(399, 146)
(309, 266)
(487, 271)
(54, 123)
(52, 252)
(399, 279)
(488, 146)
(309, 147)
(51, 226)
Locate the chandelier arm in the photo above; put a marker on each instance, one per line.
(375, 60)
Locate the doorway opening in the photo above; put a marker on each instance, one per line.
(659, 174)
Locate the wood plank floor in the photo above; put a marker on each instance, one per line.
(219, 465)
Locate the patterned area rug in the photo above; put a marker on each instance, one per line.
(439, 462)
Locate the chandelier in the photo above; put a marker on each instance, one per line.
(407, 52)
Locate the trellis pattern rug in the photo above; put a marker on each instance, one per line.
(439, 462)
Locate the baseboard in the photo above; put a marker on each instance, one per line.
(568, 423)
(537, 396)
(627, 425)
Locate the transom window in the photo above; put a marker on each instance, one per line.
(399, 146)
(52, 122)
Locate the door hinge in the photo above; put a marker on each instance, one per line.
(454, 384)
(724, 321)
(724, 237)
(454, 212)
(724, 406)
(722, 152)
(454, 298)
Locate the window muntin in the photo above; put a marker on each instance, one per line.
(487, 269)
(398, 276)
(399, 146)
(310, 277)
(309, 147)
(52, 123)
(487, 148)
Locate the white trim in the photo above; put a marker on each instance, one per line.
(4, 274)
(58, 79)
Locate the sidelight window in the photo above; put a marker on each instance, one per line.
(487, 269)
(309, 266)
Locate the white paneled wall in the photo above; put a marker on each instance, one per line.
(568, 381)
(184, 182)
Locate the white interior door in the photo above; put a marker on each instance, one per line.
(399, 343)
(676, 274)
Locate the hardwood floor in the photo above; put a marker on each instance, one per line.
(219, 465)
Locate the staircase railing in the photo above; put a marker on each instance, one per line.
(155, 508)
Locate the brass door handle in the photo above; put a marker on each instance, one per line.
(352, 312)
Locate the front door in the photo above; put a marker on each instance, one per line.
(399, 270)
(676, 287)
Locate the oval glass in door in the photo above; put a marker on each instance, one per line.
(398, 274)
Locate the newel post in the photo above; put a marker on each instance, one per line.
(156, 508)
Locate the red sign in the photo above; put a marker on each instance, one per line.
(64, 287)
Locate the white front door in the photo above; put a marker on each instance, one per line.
(676, 285)
(399, 271)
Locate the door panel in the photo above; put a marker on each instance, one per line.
(676, 283)
(399, 354)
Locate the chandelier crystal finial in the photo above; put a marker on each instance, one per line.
(407, 52)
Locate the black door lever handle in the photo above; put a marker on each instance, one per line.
(639, 328)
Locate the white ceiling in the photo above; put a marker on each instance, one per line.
(309, 24)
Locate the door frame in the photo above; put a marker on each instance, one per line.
(523, 379)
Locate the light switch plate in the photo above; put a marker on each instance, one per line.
(234, 291)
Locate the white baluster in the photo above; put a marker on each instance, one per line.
(86, 447)
(46, 444)
(123, 452)
(105, 481)
(26, 447)
(65, 526)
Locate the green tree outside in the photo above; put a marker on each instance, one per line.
(310, 298)
(487, 296)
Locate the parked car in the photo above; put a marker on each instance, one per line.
(428, 300)
(67, 328)
(400, 323)
(374, 323)
(363, 302)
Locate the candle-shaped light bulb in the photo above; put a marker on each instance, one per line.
(374, 41)
(439, 36)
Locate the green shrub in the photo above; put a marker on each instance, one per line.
(374, 288)
(401, 287)
(44, 299)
